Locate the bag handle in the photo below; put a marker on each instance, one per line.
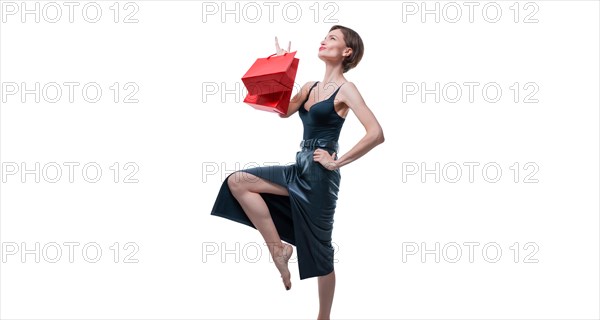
(275, 54)
(293, 52)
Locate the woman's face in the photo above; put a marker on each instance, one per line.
(333, 47)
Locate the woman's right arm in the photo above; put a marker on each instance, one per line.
(297, 100)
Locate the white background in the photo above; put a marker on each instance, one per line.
(178, 130)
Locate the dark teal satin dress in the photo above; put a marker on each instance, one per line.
(305, 217)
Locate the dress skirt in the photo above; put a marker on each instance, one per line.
(305, 217)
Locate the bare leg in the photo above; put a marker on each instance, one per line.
(245, 188)
(326, 290)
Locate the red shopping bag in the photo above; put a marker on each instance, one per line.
(271, 74)
(273, 102)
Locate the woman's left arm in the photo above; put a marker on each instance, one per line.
(374, 133)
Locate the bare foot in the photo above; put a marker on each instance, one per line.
(281, 256)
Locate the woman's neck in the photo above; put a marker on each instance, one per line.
(333, 74)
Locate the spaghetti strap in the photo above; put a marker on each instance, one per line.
(330, 97)
(308, 95)
(336, 91)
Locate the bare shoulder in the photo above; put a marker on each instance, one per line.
(350, 95)
(350, 84)
(303, 94)
(304, 89)
(308, 85)
(297, 99)
(349, 88)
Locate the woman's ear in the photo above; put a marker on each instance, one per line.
(347, 52)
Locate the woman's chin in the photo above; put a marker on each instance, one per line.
(322, 56)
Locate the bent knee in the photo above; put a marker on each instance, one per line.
(239, 180)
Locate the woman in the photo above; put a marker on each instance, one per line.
(297, 202)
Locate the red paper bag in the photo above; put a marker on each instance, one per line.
(273, 102)
(271, 74)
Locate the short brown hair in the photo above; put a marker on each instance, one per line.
(353, 41)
